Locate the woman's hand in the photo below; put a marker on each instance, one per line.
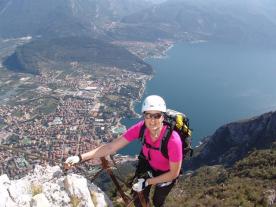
(72, 160)
(140, 185)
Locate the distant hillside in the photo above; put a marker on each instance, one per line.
(250, 182)
(233, 141)
(63, 17)
(239, 21)
(60, 53)
(242, 21)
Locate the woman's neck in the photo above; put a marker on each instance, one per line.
(154, 134)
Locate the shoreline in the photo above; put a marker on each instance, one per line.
(163, 54)
(141, 93)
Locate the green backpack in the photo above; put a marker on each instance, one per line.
(175, 121)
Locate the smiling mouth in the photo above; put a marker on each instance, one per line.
(154, 127)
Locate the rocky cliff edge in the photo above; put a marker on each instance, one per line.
(50, 187)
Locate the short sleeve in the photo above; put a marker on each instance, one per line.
(175, 148)
(133, 132)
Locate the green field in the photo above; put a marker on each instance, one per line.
(47, 106)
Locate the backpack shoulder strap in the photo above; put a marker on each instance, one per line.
(142, 133)
(165, 139)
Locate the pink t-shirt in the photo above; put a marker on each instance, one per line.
(157, 161)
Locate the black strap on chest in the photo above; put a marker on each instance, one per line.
(143, 140)
(142, 134)
(165, 138)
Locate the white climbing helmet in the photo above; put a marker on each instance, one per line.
(155, 103)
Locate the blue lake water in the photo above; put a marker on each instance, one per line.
(213, 84)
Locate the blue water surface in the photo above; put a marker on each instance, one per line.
(213, 84)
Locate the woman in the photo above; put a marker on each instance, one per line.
(164, 170)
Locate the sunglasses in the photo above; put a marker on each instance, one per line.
(152, 116)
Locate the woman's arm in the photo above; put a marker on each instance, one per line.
(106, 149)
(175, 168)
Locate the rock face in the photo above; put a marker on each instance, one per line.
(49, 187)
(233, 141)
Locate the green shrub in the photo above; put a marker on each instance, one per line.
(36, 189)
(75, 200)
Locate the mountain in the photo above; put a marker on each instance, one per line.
(234, 141)
(244, 21)
(60, 53)
(63, 17)
(233, 21)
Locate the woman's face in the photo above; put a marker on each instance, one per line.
(153, 120)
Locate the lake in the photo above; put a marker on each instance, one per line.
(213, 84)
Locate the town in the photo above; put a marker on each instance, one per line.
(47, 117)
(57, 114)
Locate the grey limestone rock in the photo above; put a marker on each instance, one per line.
(49, 187)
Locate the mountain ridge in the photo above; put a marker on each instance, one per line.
(62, 18)
(59, 53)
(233, 141)
(242, 22)
(210, 20)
